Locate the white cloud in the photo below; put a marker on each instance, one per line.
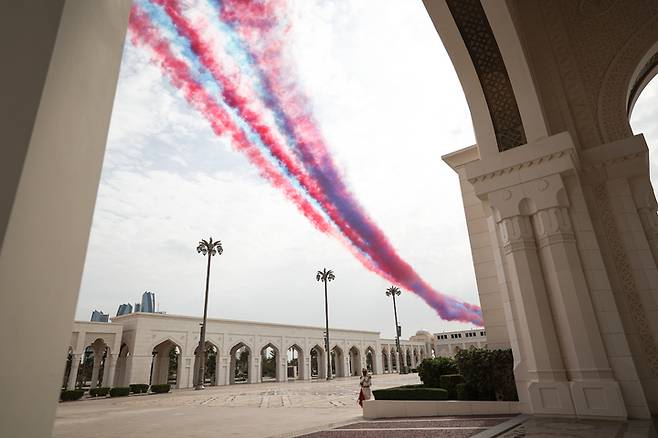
(389, 104)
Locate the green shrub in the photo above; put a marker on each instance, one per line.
(460, 390)
(430, 370)
(414, 370)
(449, 383)
(139, 388)
(411, 392)
(488, 374)
(99, 392)
(161, 389)
(71, 394)
(120, 391)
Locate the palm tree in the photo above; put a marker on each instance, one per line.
(209, 248)
(326, 276)
(392, 292)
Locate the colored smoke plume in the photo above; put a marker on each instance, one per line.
(229, 60)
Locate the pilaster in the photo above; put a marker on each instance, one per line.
(73, 374)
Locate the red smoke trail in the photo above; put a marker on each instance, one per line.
(233, 97)
(146, 34)
(253, 21)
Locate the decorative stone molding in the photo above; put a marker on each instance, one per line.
(612, 105)
(519, 166)
(473, 25)
(627, 282)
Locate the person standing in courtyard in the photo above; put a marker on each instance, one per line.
(365, 382)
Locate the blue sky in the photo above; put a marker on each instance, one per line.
(389, 103)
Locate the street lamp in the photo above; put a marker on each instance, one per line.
(393, 291)
(209, 248)
(326, 276)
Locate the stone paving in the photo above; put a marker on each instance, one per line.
(448, 427)
(247, 410)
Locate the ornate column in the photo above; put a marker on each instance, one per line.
(593, 388)
(108, 370)
(73, 374)
(96, 368)
(540, 367)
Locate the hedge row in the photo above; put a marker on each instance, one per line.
(139, 388)
(411, 392)
(99, 392)
(71, 394)
(161, 389)
(120, 391)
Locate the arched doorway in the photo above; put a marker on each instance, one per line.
(355, 361)
(240, 364)
(295, 363)
(166, 364)
(385, 368)
(337, 362)
(370, 360)
(407, 359)
(318, 363)
(394, 360)
(269, 370)
(90, 372)
(211, 355)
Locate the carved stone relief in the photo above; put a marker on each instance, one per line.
(482, 47)
(627, 282)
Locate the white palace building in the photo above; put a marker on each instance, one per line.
(159, 348)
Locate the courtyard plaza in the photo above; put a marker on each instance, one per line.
(276, 409)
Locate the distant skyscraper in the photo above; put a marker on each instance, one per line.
(97, 316)
(138, 307)
(148, 302)
(124, 309)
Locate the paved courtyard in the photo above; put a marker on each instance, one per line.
(254, 410)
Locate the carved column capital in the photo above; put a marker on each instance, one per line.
(516, 234)
(553, 225)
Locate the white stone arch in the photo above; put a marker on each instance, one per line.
(386, 367)
(161, 370)
(524, 94)
(370, 359)
(337, 361)
(214, 376)
(238, 370)
(93, 359)
(297, 372)
(354, 361)
(615, 99)
(318, 362)
(277, 362)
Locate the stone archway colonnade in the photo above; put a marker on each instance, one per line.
(158, 348)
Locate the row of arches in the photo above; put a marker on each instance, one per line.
(165, 367)
(98, 367)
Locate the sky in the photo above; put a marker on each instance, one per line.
(389, 103)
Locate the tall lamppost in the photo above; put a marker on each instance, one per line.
(393, 291)
(326, 276)
(207, 248)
